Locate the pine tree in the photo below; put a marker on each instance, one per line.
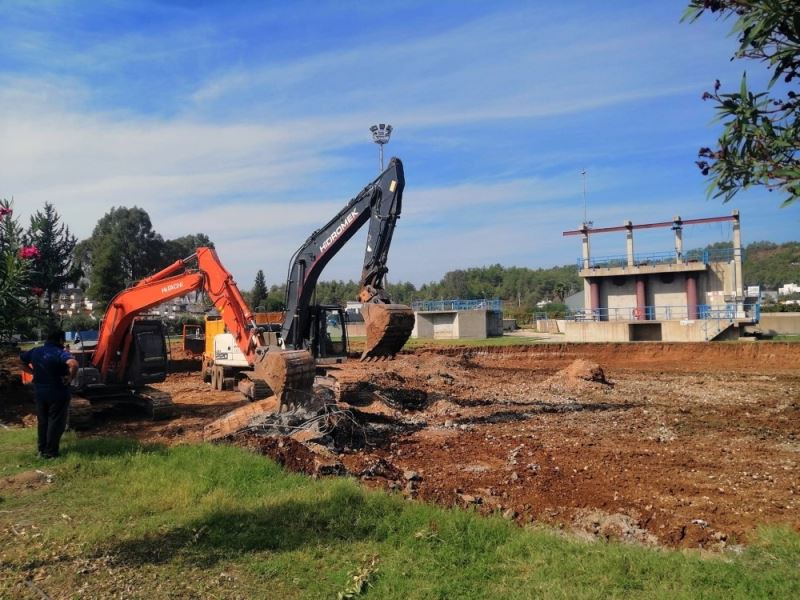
(259, 293)
(14, 272)
(52, 268)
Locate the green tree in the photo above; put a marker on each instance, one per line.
(122, 249)
(15, 298)
(79, 322)
(184, 246)
(259, 293)
(276, 298)
(760, 141)
(52, 268)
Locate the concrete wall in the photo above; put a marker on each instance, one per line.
(444, 325)
(604, 331)
(457, 324)
(618, 296)
(687, 331)
(423, 326)
(356, 329)
(662, 292)
(778, 324)
(715, 284)
(472, 324)
(667, 331)
(546, 326)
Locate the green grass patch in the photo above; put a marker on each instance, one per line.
(506, 340)
(785, 338)
(206, 521)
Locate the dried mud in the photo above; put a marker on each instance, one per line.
(685, 445)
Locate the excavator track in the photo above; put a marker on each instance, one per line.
(388, 328)
(80, 414)
(254, 389)
(158, 404)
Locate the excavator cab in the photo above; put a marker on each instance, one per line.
(148, 353)
(329, 334)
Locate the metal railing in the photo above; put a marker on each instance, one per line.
(749, 312)
(494, 304)
(658, 258)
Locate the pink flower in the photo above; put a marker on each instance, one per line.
(5, 211)
(37, 291)
(29, 252)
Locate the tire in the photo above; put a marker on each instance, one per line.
(80, 414)
(219, 377)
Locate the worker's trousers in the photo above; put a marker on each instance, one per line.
(52, 408)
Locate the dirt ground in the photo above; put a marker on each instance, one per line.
(686, 445)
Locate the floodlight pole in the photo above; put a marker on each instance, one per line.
(585, 211)
(380, 135)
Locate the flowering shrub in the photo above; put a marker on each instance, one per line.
(29, 252)
(5, 211)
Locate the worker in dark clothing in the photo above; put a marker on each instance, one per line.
(53, 368)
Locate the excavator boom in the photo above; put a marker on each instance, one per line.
(388, 325)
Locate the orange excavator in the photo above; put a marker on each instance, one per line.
(131, 352)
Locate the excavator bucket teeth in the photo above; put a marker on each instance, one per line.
(289, 374)
(388, 328)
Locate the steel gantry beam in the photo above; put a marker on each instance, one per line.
(678, 222)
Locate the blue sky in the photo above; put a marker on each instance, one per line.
(249, 121)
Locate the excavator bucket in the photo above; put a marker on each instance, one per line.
(388, 328)
(289, 374)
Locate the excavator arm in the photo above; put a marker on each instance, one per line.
(113, 343)
(285, 372)
(388, 325)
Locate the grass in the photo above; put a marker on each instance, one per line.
(205, 521)
(785, 338)
(506, 340)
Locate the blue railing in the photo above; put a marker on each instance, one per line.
(751, 312)
(658, 258)
(439, 305)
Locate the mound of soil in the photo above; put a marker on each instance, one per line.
(26, 481)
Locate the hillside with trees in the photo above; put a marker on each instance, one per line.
(772, 265)
(767, 264)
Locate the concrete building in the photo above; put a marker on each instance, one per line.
(457, 319)
(72, 301)
(669, 296)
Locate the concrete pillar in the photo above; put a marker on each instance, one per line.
(691, 295)
(585, 263)
(585, 248)
(678, 229)
(629, 240)
(594, 295)
(738, 283)
(641, 299)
